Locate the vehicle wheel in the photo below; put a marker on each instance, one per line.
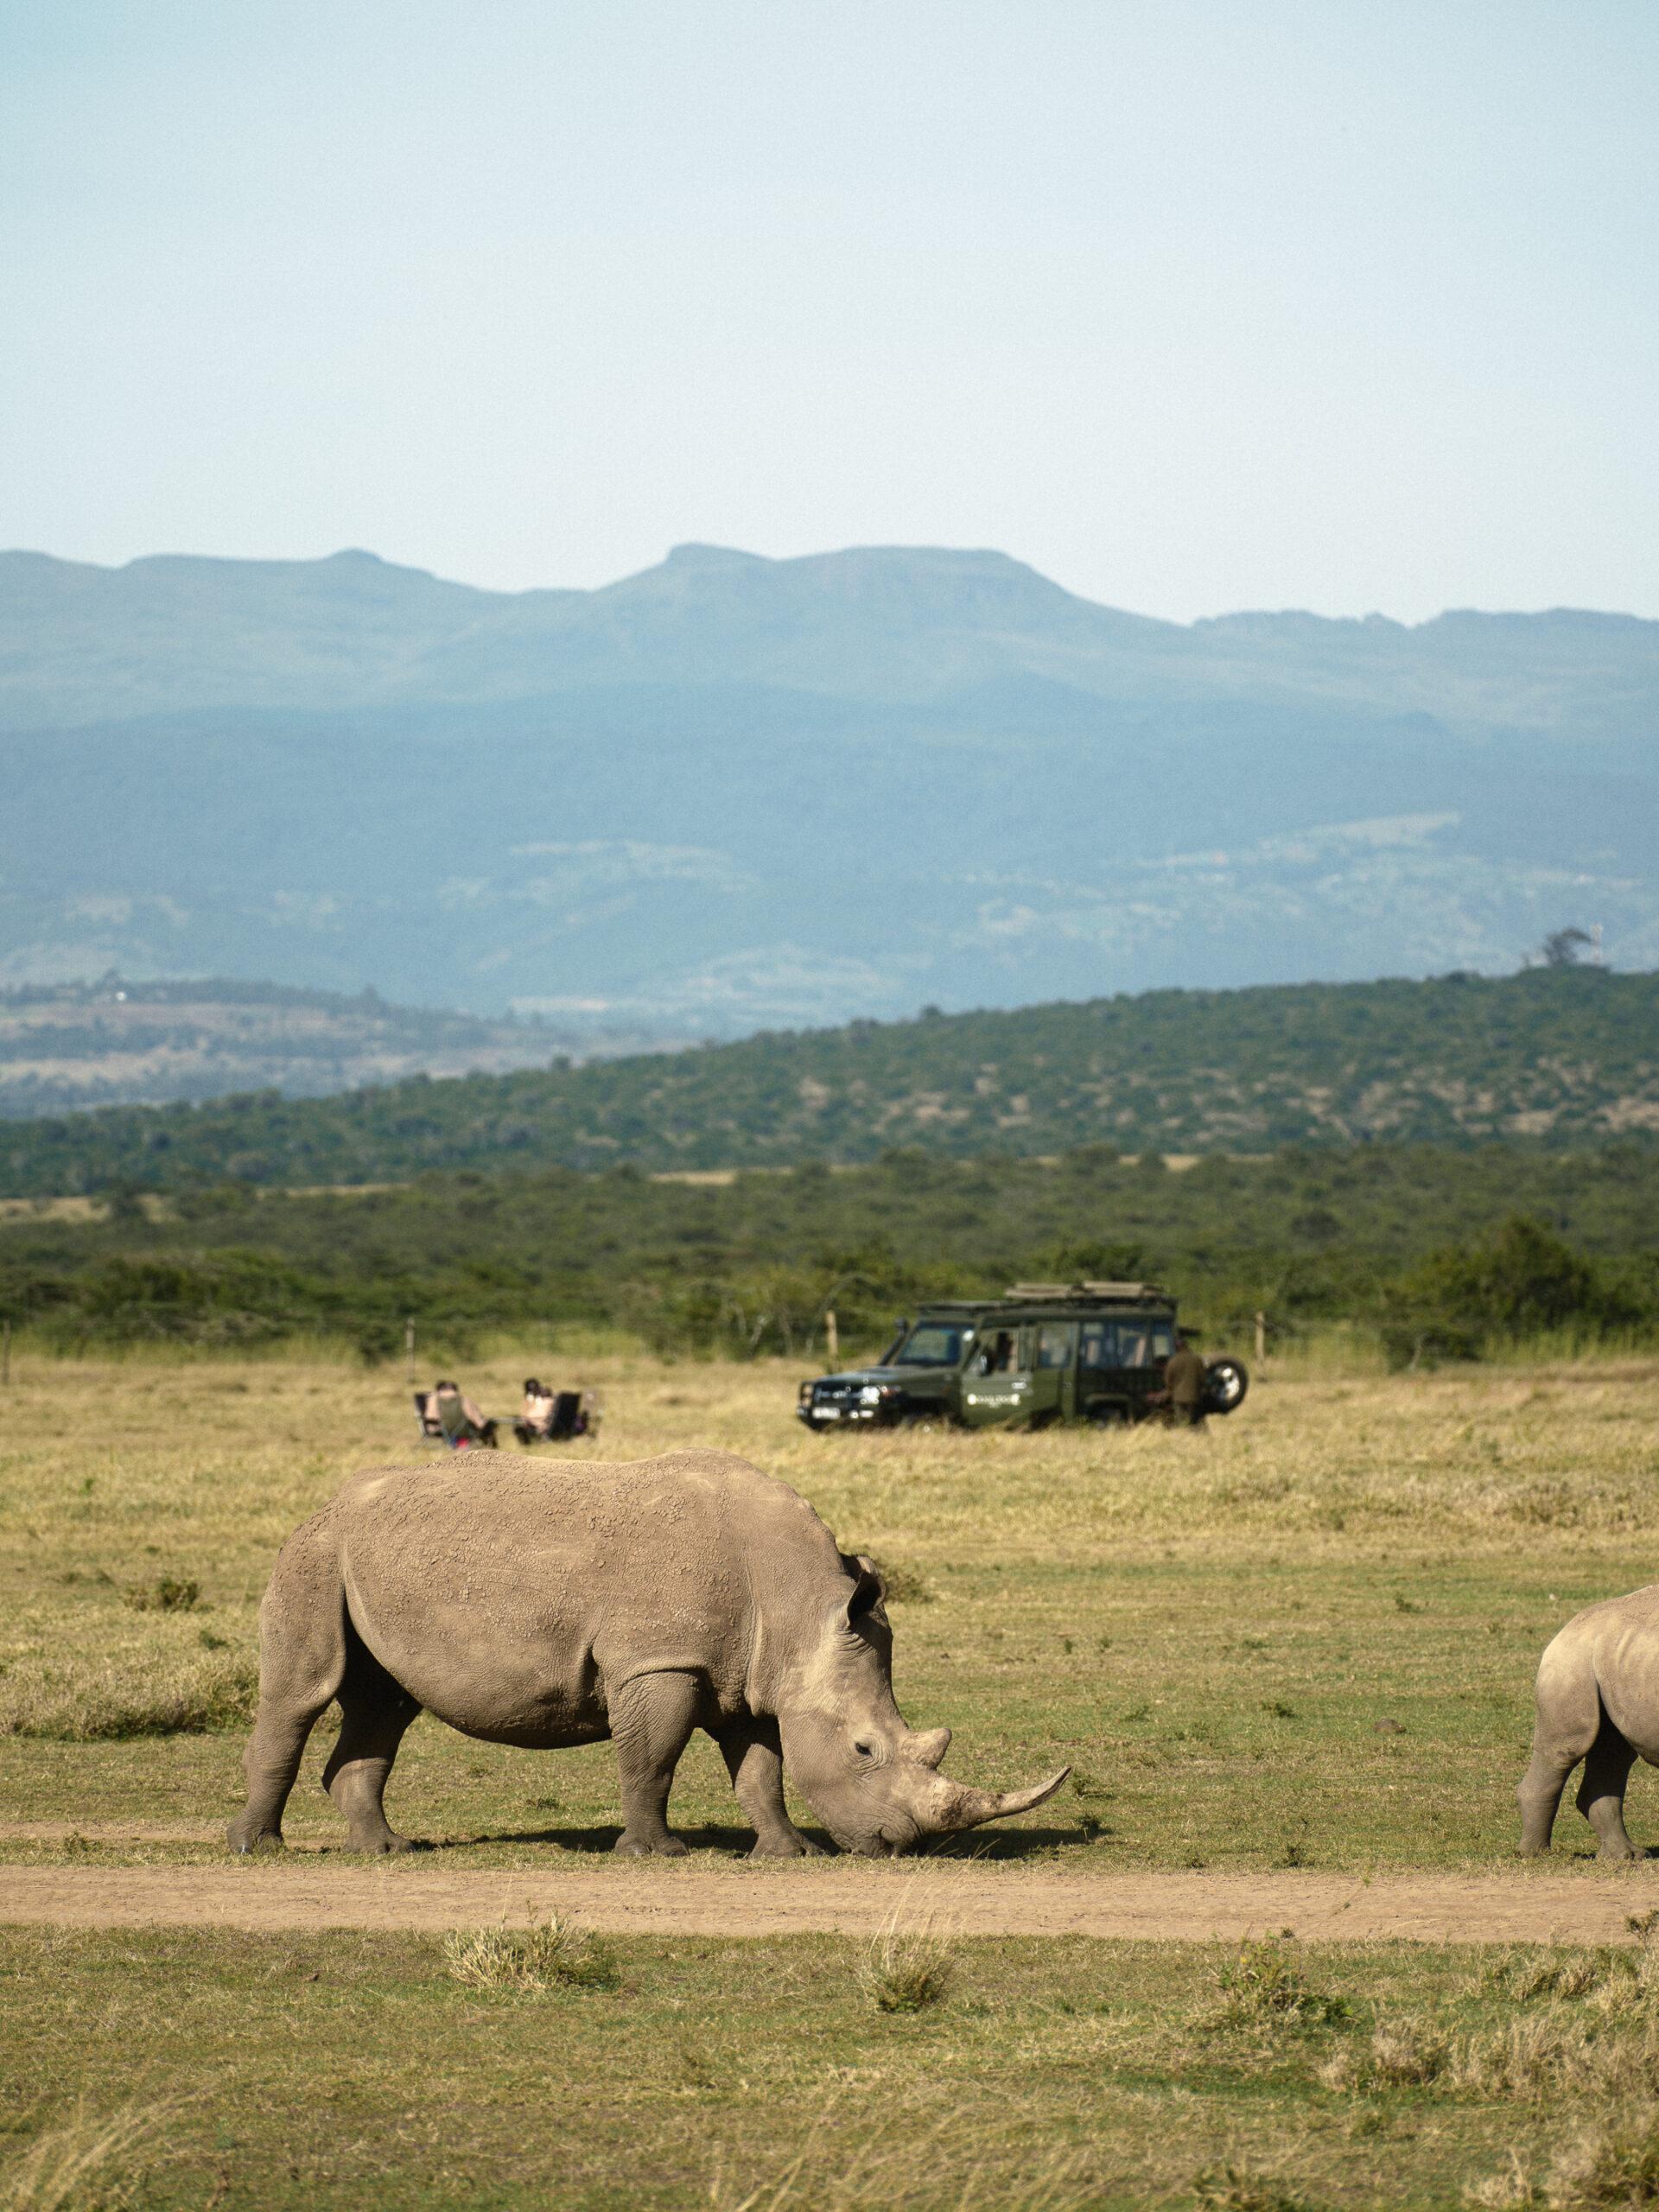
(1226, 1385)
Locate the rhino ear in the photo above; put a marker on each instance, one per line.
(867, 1594)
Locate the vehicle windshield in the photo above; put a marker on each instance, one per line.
(931, 1343)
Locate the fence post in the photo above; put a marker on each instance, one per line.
(1260, 1337)
(831, 1340)
(5, 1353)
(409, 1344)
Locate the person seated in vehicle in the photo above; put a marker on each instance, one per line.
(462, 1423)
(1001, 1355)
(534, 1423)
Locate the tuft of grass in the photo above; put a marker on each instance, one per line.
(1404, 2054)
(92, 1699)
(1524, 1977)
(1616, 2163)
(87, 2164)
(1263, 1987)
(530, 1962)
(168, 1593)
(1231, 2188)
(1613, 2166)
(905, 1970)
(902, 2167)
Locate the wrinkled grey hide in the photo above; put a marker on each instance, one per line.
(540, 1605)
(1597, 1701)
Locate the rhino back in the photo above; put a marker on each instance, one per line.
(510, 1596)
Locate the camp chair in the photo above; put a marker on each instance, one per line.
(576, 1413)
(432, 1427)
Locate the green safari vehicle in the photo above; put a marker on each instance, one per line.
(1091, 1351)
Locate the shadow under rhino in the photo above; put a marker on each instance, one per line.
(547, 1607)
(738, 1843)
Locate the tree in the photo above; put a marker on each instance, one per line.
(1561, 948)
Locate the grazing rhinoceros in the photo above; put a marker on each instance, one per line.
(1597, 1701)
(529, 1605)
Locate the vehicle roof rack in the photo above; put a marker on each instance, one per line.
(1124, 1290)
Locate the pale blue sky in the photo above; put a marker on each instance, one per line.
(1194, 304)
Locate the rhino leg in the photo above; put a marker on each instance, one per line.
(1540, 1795)
(1601, 1791)
(302, 1664)
(374, 1713)
(754, 1759)
(1568, 1723)
(652, 1718)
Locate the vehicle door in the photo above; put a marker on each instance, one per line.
(1104, 1391)
(1144, 1343)
(995, 1385)
(1053, 1371)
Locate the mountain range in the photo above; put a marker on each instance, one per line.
(732, 792)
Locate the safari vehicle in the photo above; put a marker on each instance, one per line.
(1091, 1351)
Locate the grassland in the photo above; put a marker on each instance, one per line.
(1305, 1638)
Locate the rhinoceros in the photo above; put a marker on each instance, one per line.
(1597, 1701)
(549, 1607)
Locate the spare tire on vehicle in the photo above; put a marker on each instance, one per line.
(1225, 1384)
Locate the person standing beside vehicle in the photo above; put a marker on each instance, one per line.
(1185, 1378)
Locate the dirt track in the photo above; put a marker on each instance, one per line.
(718, 1897)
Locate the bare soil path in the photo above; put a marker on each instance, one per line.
(1577, 1905)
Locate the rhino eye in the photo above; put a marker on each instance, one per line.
(864, 1751)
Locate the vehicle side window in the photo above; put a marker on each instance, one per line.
(1099, 1346)
(1163, 1342)
(1054, 1343)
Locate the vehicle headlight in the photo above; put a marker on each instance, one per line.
(871, 1395)
(805, 1393)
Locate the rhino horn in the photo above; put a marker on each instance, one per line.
(929, 1745)
(961, 1807)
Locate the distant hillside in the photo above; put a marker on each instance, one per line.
(733, 793)
(1563, 1057)
(117, 1043)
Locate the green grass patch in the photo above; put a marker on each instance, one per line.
(339, 2069)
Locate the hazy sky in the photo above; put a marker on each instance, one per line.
(1194, 304)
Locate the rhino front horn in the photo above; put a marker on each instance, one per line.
(967, 1807)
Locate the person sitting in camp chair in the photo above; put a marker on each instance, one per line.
(534, 1424)
(557, 1416)
(460, 1422)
